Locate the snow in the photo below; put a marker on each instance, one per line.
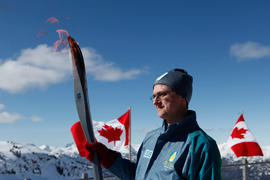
(136, 147)
(27, 160)
(19, 161)
(266, 152)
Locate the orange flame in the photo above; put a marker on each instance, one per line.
(42, 32)
(61, 44)
(52, 20)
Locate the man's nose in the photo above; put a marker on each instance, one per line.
(156, 100)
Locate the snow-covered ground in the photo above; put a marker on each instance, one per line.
(19, 161)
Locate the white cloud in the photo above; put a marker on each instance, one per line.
(40, 67)
(249, 50)
(37, 67)
(2, 106)
(36, 119)
(6, 117)
(105, 71)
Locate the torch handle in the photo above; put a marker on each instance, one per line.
(97, 168)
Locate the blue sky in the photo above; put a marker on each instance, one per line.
(225, 46)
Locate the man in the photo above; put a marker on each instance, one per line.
(179, 149)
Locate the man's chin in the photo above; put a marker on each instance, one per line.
(162, 115)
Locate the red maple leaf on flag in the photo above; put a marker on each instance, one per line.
(110, 133)
(238, 133)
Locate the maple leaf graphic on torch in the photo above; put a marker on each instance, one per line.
(111, 133)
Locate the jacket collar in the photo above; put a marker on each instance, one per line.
(188, 124)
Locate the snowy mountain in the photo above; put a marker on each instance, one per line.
(19, 161)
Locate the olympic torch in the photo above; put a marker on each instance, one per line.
(81, 99)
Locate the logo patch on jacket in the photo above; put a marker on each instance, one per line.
(172, 157)
(169, 163)
(148, 153)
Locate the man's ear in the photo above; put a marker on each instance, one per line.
(183, 102)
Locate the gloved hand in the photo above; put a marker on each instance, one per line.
(106, 156)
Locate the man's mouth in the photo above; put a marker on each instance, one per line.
(159, 107)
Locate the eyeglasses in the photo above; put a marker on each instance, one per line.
(159, 95)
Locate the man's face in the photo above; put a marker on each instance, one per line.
(170, 106)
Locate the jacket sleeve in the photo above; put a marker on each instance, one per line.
(124, 168)
(211, 163)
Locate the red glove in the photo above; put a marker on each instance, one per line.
(106, 156)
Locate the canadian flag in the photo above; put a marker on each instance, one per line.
(114, 134)
(242, 141)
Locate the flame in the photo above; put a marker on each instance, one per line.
(61, 44)
(42, 32)
(52, 20)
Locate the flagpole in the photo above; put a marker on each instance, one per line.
(245, 168)
(245, 162)
(129, 133)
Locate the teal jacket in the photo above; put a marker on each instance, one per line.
(181, 151)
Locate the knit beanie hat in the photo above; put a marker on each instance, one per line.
(179, 81)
